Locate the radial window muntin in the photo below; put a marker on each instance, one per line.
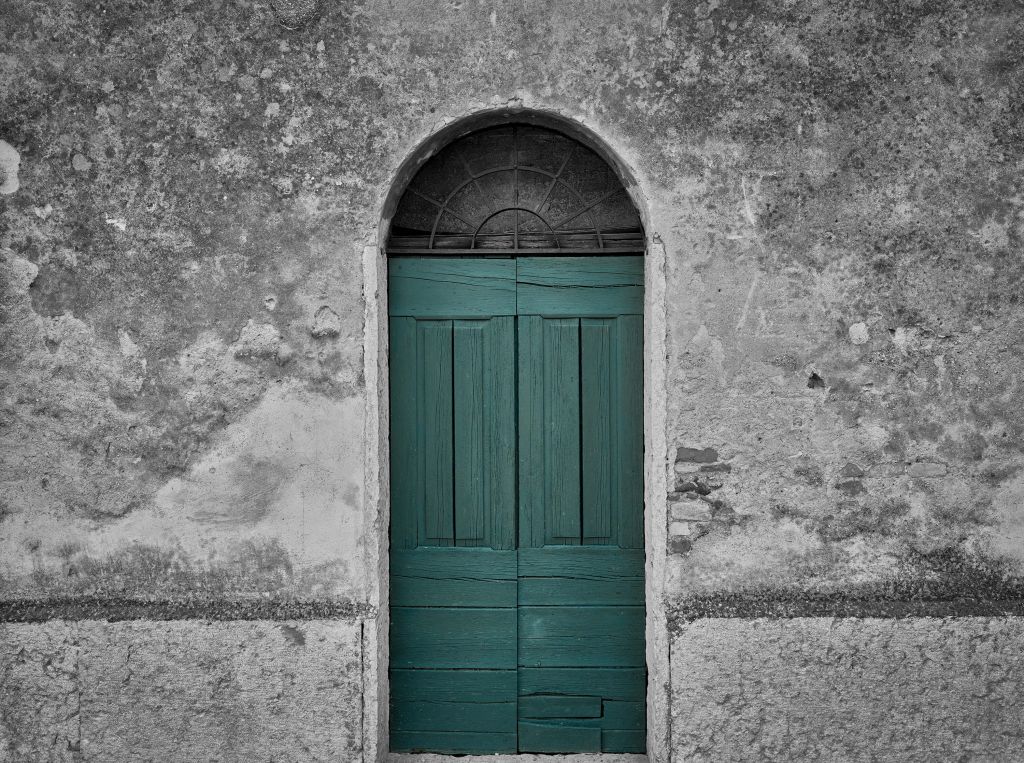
(513, 188)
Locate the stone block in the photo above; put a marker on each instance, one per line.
(691, 511)
(859, 333)
(697, 455)
(679, 529)
(716, 467)
(925, 469)
(850, 487)
(224, 691)
(39, 706)
(914, 689)
(851, 469)
(893, 469)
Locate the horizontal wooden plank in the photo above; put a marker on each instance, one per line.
(559, 706)
(570, 621)
(468, 563)
(544, 592)
(454, 716)
(581, 636)
(546, 736)
(446, 287)
(453, 742)
(626, 684)
(453, 685)
(614, 740)
(584, 562)
(580, 286)
(424, 592)
(453, 638)
(453, 577)
(603, 651)
(451, 563)
(625, 716)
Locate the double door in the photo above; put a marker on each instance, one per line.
(517, 584)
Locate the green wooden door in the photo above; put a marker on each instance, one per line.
(517, 596)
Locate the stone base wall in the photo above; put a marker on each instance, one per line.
(916, 689)
(182, 690)
(913, 689)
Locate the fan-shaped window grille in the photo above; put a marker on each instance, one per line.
(512, 188)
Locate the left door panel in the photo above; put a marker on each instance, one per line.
(453, 559)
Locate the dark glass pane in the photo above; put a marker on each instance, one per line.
(415, 213)
(499, 188)
(503, 222)
(451, 224)
(534, 232)
(542, 149)
(562, 204)
(442, 174)
(533, 190)
(617, 213)
(588, 174)
(487, 149)
(471, 205)
(531, 223)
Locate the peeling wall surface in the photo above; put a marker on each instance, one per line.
(186, 192)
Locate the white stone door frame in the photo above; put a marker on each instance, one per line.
(377, 475)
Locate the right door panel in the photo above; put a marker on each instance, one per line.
(581, 562)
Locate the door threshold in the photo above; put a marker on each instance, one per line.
(523, 757)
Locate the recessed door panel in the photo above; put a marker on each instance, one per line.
(453, 582)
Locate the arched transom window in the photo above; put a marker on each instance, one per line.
(512, 188)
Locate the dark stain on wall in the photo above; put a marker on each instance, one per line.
(194, 608)
(942, 584)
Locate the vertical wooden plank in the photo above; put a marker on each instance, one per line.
(629, 405)
(434, 359)
(500, 432)
(531, 431)
(562, 430)
(406, 485)
(596, 414)
(469, 432)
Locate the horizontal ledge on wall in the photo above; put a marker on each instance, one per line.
(114, 609)
(740, 607)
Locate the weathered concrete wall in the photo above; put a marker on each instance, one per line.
(186, 192)
(203, 691)
(919, 689)
(188, 189)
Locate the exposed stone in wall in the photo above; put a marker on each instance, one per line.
(190, 690)
(10, 161)
(922, 689)
(296, 13)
